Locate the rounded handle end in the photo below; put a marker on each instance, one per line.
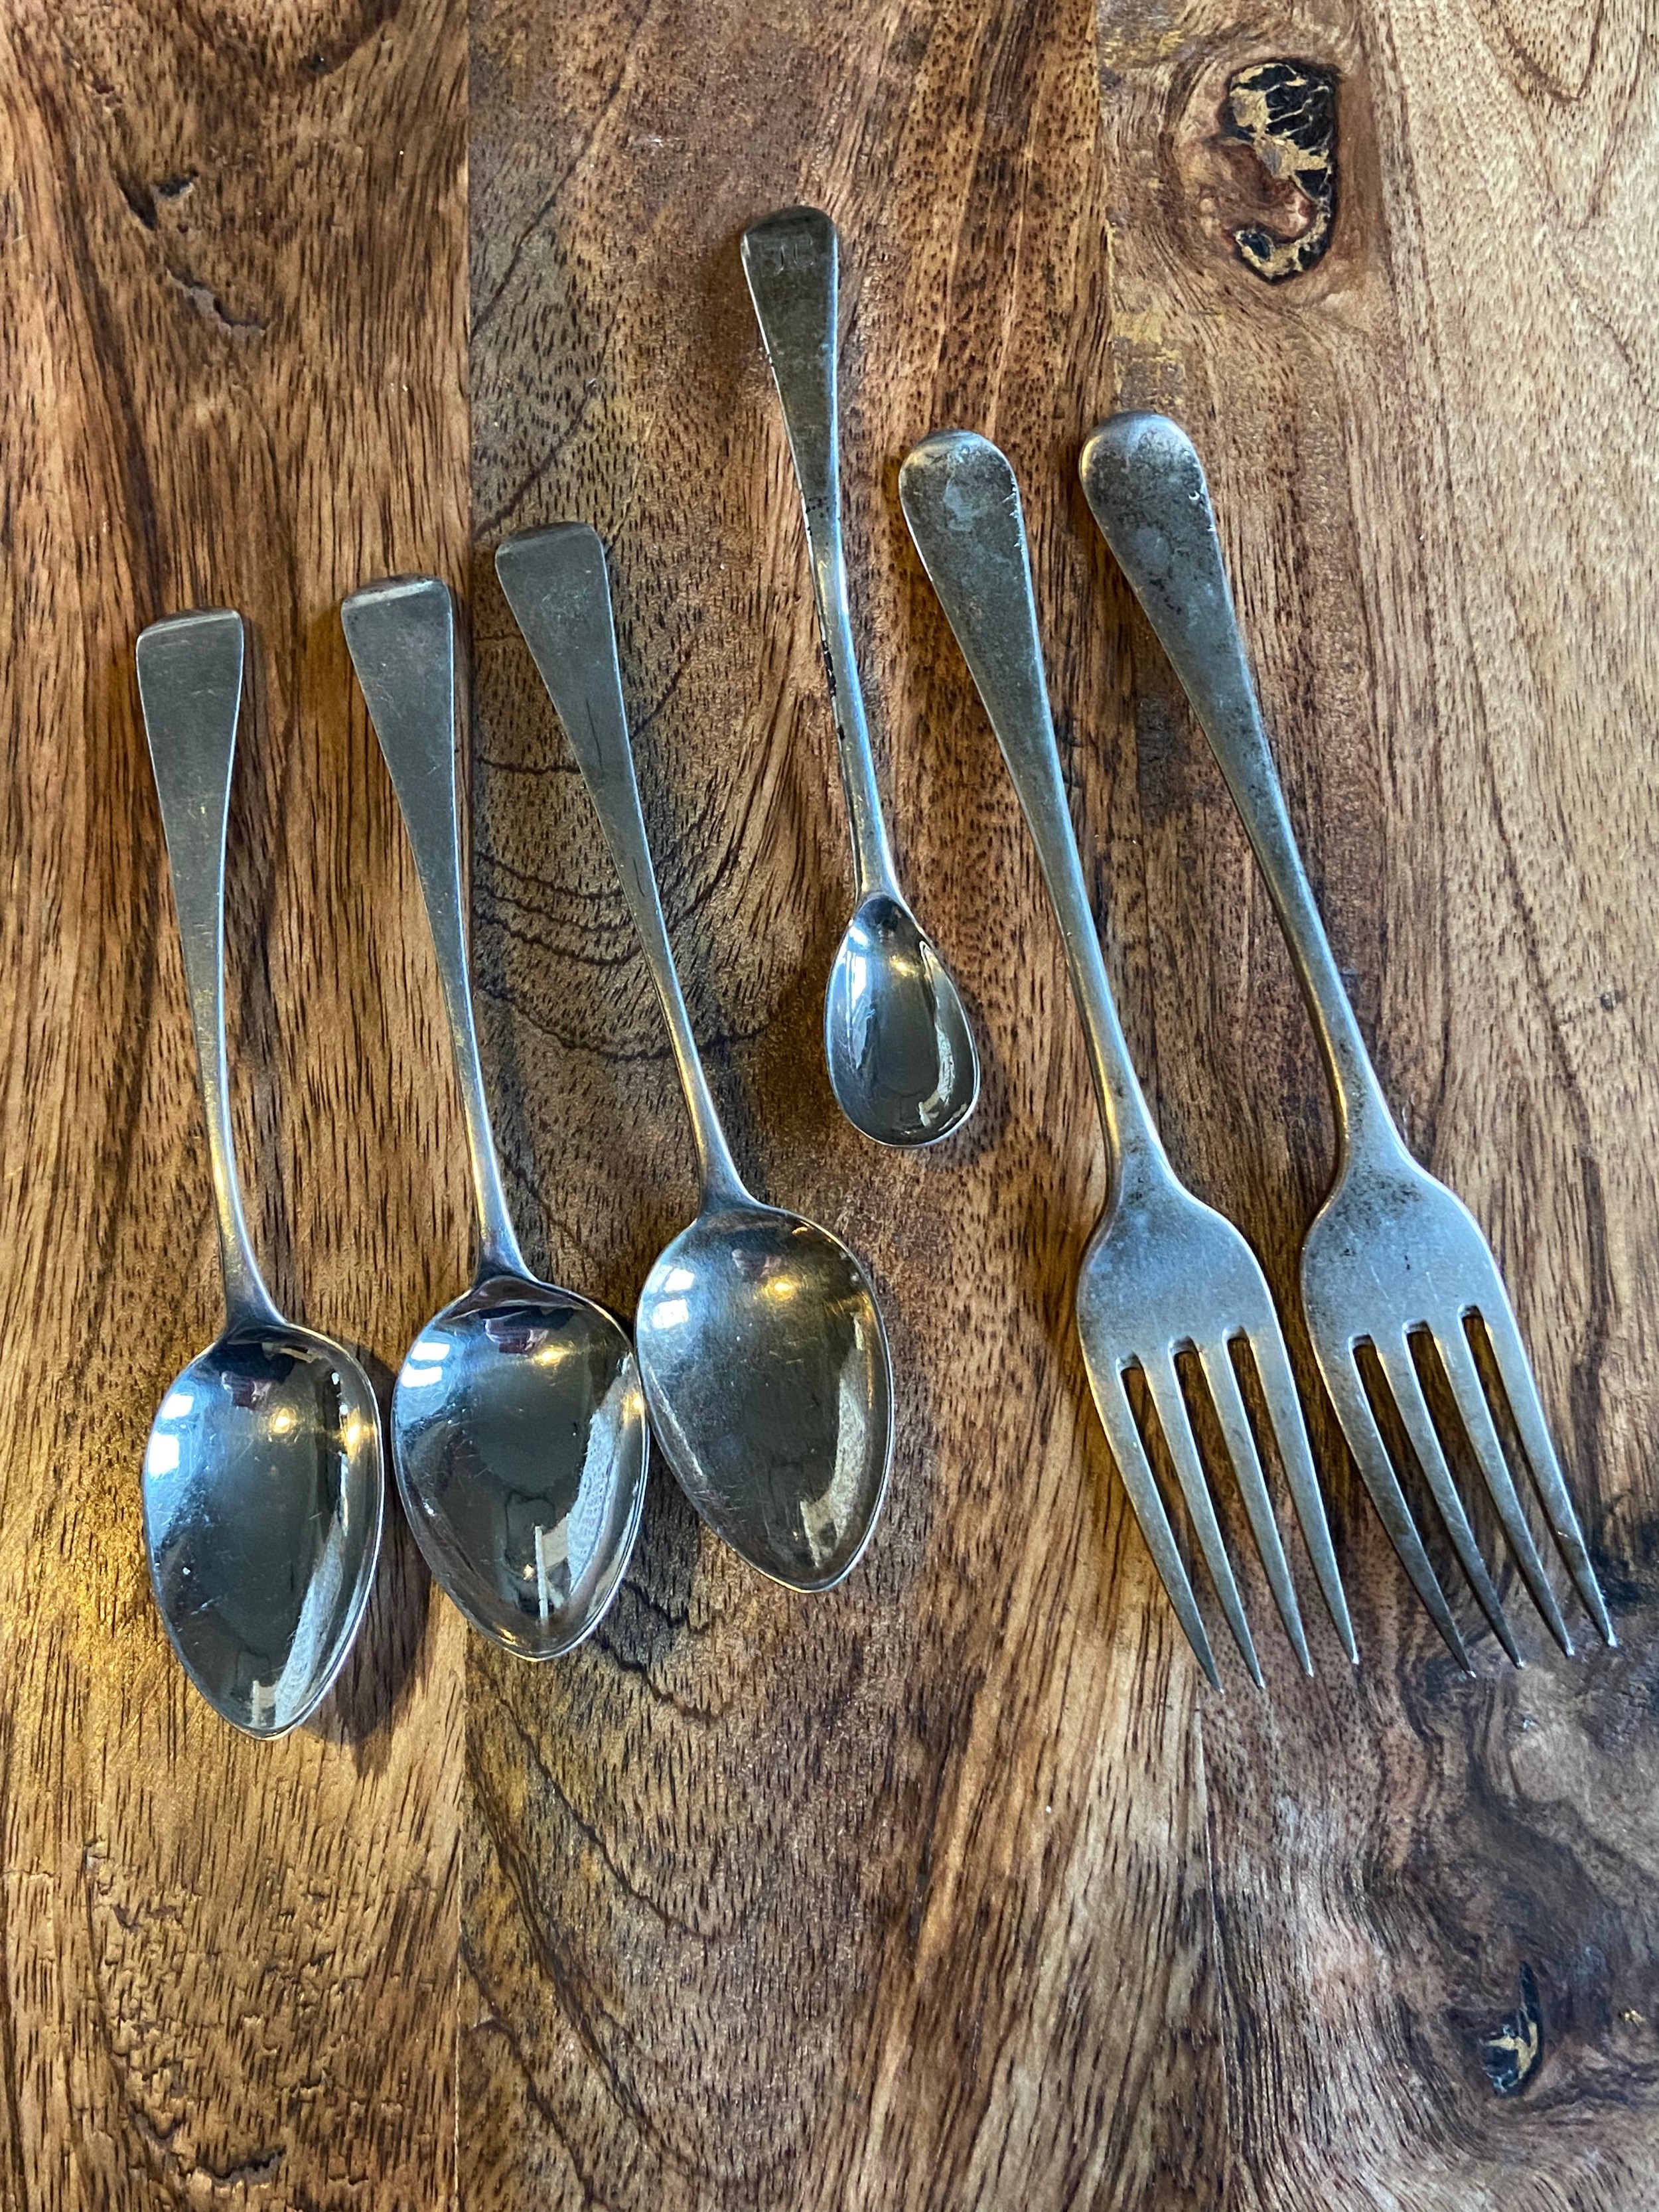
(791, 241)
(1136, 458)
(956, 481)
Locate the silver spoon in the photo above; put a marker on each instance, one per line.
(902, 1063)
(762, 1349)
(518, 1426)
(262, 1479)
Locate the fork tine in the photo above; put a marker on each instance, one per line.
(1353, 1410)
(1165, 1388)
(1229, 1403)
(1272, 1368)
(1124, 1438)
(1476, 1416)
(1521, 1391)
(1398, 1365)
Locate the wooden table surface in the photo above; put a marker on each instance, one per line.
(957, 1888)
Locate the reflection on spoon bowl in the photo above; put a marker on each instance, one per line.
(519, 1437)
(263, 1493)
(767, 1372)
(901, 1059)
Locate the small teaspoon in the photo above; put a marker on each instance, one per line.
(518, 1427)
(761, 1346)
(902, 1062)
(263, 1483)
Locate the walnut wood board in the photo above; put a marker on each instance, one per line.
(957, 1888)
(229, 1968)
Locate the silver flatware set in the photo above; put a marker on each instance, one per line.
(524, 1417)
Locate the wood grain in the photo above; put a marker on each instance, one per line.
(954, 1889)
(232, 303)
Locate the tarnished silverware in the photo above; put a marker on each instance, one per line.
(1163, 1273)
(264, 1485)
(902, 1062)
(1392, 1255)
(518, 1423)
(761, 1346)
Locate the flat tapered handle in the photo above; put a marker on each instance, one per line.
(558, 585)
(962, 502)
(792, 261)
(1145, 488)
(401, 636)
(190, 687)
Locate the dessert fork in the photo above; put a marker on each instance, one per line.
(1164, 1274)
(1393, 1255)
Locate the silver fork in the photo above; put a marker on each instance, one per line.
(1392, 1255)
(1162, 1274)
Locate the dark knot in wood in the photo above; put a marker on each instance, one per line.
(1286, 113)
(1511, 2056)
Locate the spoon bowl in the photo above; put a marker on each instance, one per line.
(518, 1425)
(519, 1437)
(770, 1387)
(261, 1497)
(902, 1063)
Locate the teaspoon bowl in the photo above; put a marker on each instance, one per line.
(902, 1063)
(768, 1376)
(263, 1492)
(519, 1435)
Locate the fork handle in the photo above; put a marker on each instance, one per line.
(1145, 484)
(962, 502)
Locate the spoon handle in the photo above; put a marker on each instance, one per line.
(1146, 487)
(401, 636)
(792, 262)
(961, 503)
(190, 686)
(557, 586)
